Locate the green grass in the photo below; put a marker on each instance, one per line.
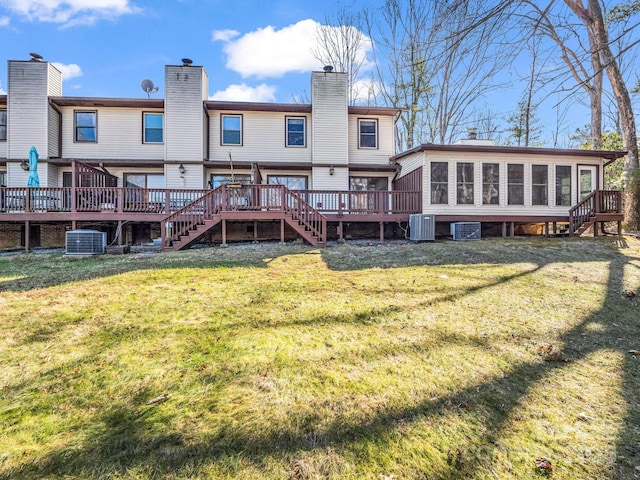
(446, 360)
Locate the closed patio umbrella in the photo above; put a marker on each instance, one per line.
(34, 180)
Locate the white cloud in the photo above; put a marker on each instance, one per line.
(268, 52)
(245, 93)
(4, 21)
(2, 91)
(69, 12)
(68, 71)
(224, 35)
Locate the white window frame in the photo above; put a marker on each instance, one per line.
(304, 132)
(222, 129)
(362, 121)
(144, 127)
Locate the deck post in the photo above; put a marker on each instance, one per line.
(163, 233)
(340, 235)
(546, 229)
(381, 232)
(224, 232)
(511, 229)
(619, 227)
(255, 230)
(504, 229)
(74, 225)
(282, 230)
(120, 232)
(27, 235)
(595, 228)
(555, 228)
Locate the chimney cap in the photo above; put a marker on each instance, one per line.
(35, 57)
(328, 68)
(472, 133)
(186, 62)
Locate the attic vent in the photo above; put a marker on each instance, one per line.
(86, 242)
(328, 68)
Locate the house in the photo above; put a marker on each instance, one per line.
(185, 168)
(475, 180)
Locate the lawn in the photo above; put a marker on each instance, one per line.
(495, 359)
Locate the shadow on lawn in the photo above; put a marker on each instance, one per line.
(122, 437)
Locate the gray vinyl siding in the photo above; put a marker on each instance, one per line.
(184, 116)
(385, 139)
(54, 133)
(263, 138)
(119, 135)
(329, 118)
(27, 112)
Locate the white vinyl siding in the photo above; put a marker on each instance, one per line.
(184, 113)
(263, 134)
(371, 155)
(329, 118)
(119, 134)
(323, 180)
(503, 208)
(54, 133)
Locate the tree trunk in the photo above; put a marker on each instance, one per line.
(593, 19)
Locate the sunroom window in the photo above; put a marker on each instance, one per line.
(439, 183)
(515, 184)
(465, 183)
(540, 185)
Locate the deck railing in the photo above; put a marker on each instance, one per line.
(598, 202)
(166, 201)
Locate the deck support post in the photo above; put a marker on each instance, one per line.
(546, 229)
(282, 230)
(119, 230)
(340, 232)
(619, 227)
(74, 225)
(595, 228)
(255, 230)
(224, 232)
(555, 228)
(504, 229)
(511, 229)
(27, 235)
(381, 232)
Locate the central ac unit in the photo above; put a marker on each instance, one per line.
(465, 230)
(86, 242)
(422, 227)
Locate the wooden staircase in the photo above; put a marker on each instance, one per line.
(268, 202)
(599, 206)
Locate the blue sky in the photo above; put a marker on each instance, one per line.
(251, 50)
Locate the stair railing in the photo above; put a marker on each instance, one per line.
(300, 211)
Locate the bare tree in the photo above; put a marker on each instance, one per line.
(593, 19)
(343, 45)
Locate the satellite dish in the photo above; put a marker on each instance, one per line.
(35, 57)
(147, 86)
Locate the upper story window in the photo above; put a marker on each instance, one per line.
(296, 132)
(439, 183)
(86, 125)
(539, 185)
(3, 125)
(153, 132)
(368, 134)
(515, 184)
(231, 126)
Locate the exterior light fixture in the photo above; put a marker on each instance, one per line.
(332, 170)
(181, 169)
(24, 165)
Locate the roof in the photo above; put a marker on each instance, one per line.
(108, 102)
(425, 147)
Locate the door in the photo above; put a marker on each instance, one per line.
(587, 180)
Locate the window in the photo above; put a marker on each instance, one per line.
(295, 132)
(369, 183)
(292, 182)
(368, 134)
(149, 180)
(465, 183)
(231, 129)
(86, 126)
(219, 180)
(3, 179)
(153, 128)
(563, 185)
(3, 125)
(490, 183)
(539, 185)
(515, 184)
(439, 183)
